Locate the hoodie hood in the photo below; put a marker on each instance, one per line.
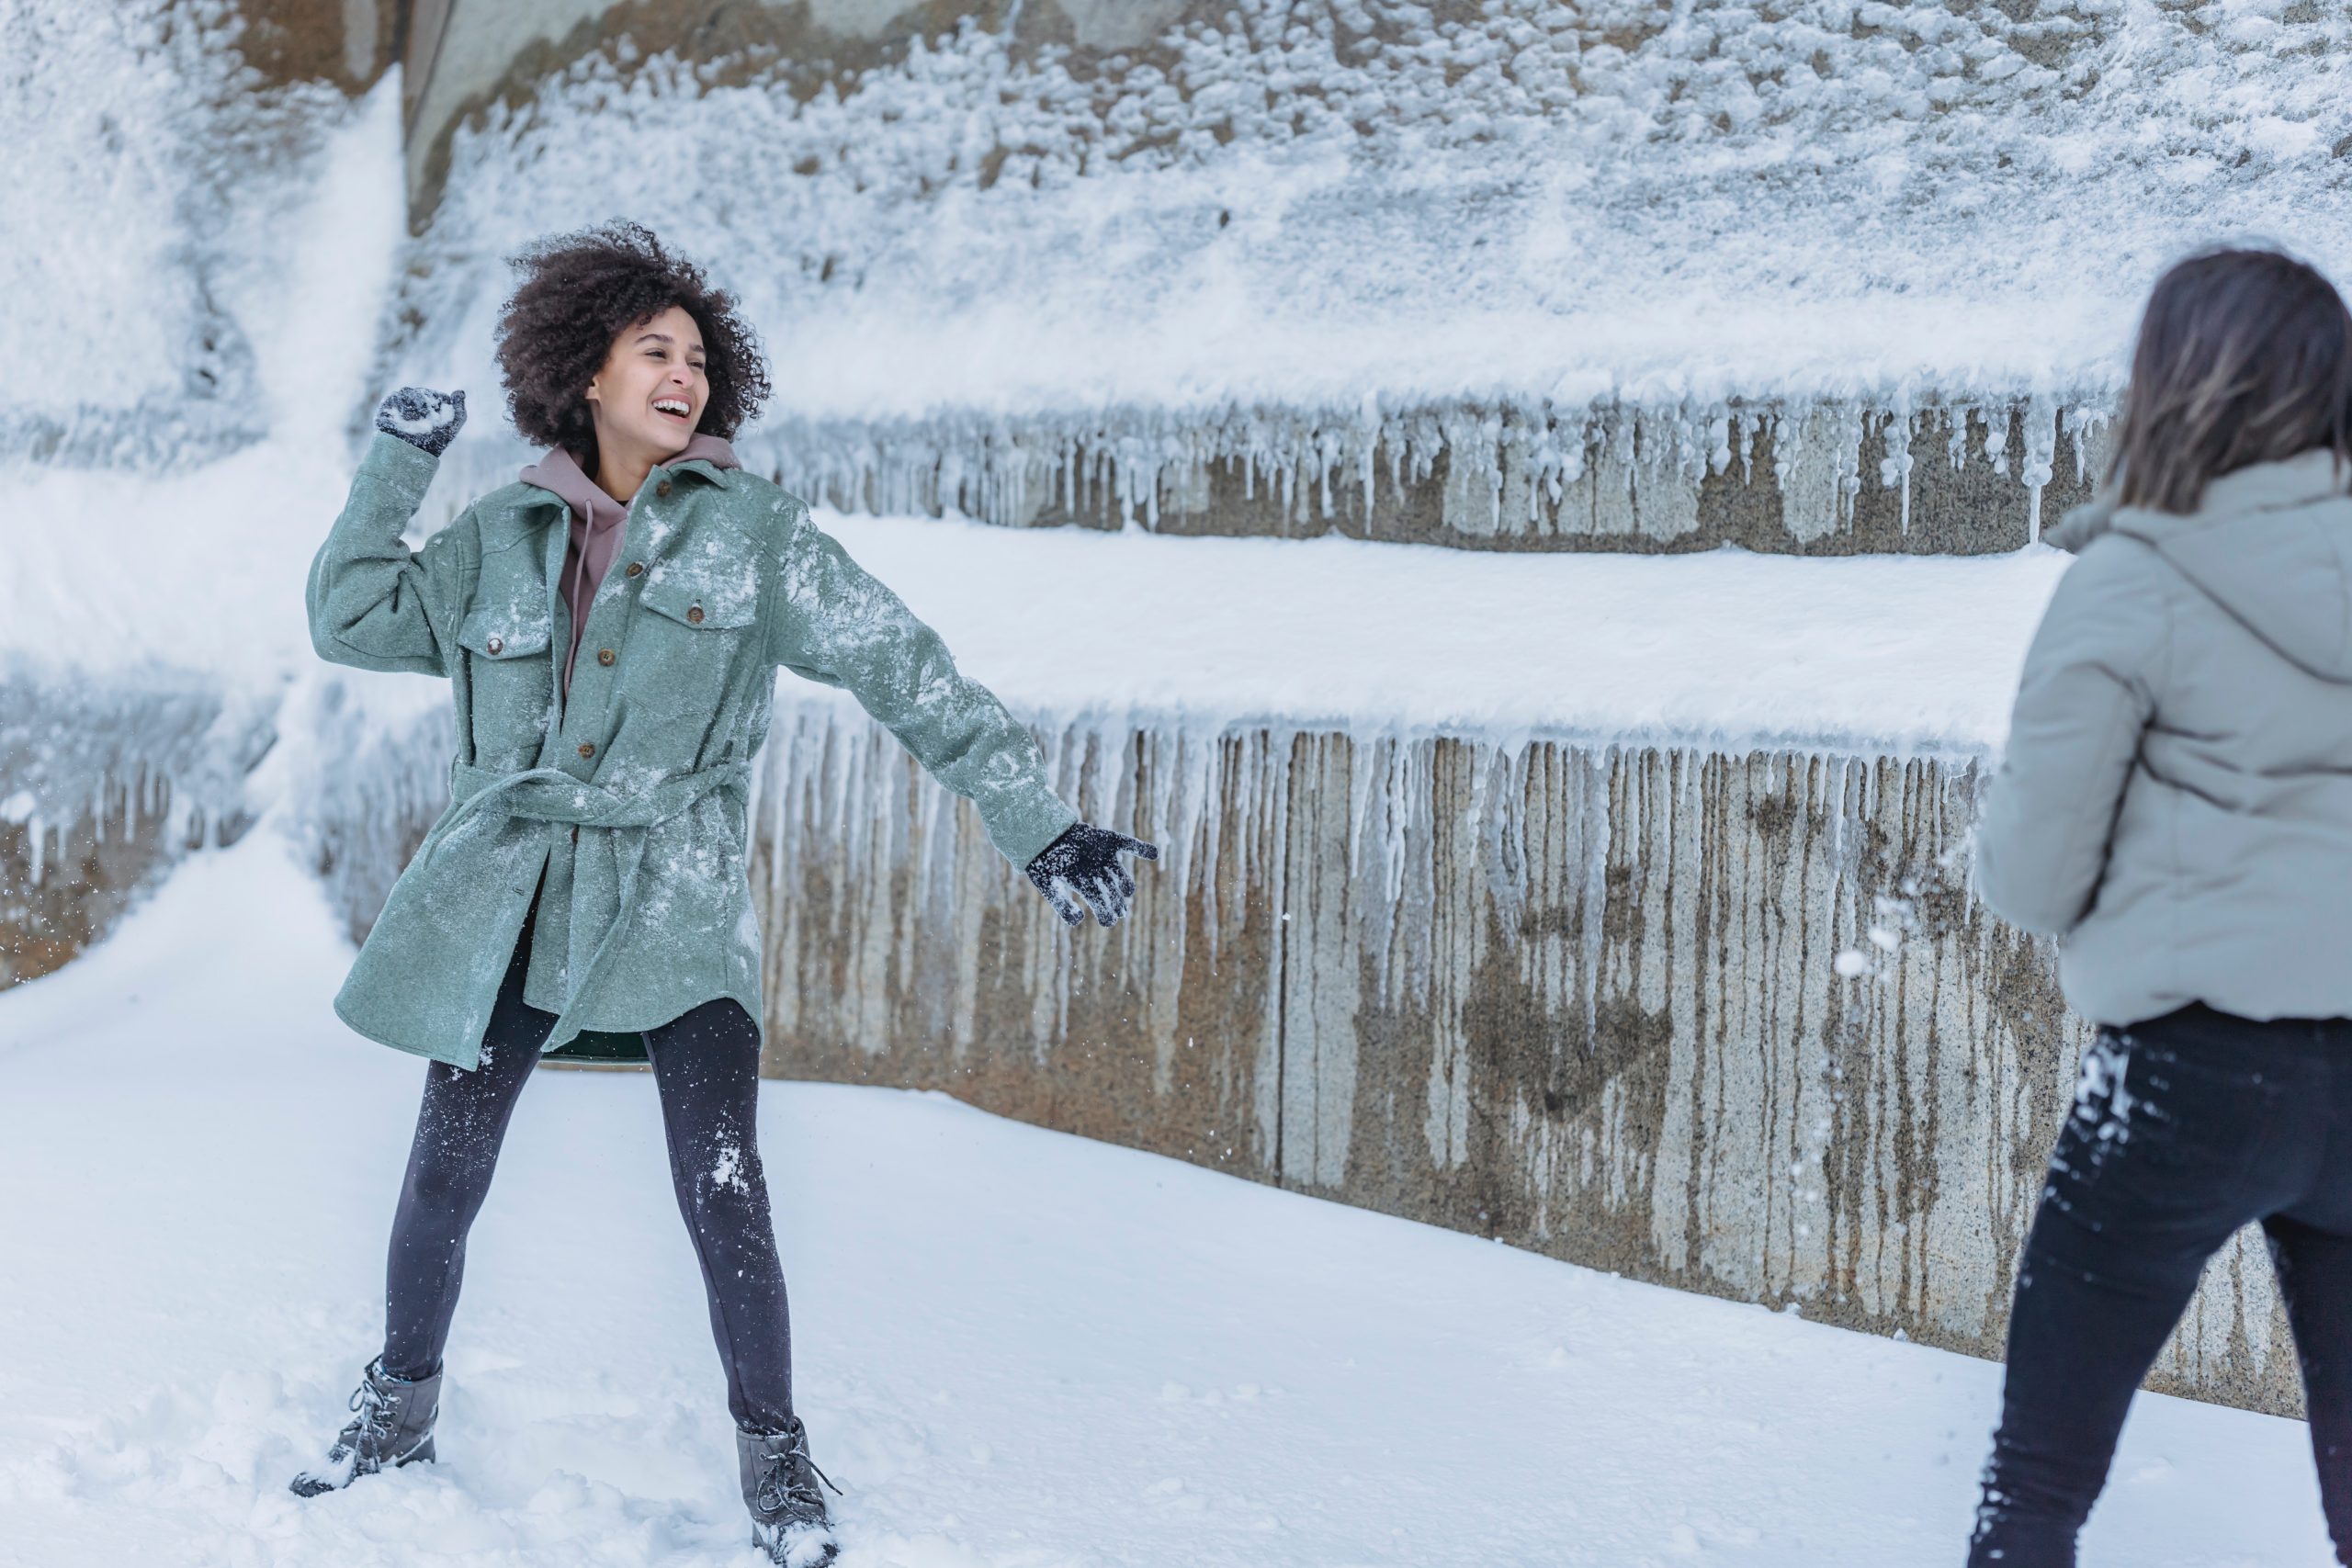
(2271, 544)
(558, 471)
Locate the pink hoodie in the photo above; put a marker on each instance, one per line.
(596, 519)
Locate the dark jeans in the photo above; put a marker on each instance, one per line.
(705, 1066)
(2183, 1129)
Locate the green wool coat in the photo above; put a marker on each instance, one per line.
(719, 577)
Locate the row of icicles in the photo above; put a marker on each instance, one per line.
(1120, 464)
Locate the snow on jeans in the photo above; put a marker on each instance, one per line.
(2185, 1128)
(705, 1066)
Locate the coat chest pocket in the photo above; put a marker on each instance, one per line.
(682, 653)
(511, 678)
(707, 603)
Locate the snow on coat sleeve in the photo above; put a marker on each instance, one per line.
(375, 603)
(839, 625)
(2087, 697)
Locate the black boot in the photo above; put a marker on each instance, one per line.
(788, 1518)
(394, 1427)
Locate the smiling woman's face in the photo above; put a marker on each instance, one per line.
(649, 397)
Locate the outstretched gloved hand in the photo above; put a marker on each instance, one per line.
(1083, 864)
(426, 420)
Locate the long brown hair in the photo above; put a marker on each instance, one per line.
(2245, 356)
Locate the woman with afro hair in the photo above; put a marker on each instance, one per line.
(610, 624)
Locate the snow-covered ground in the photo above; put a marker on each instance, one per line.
(1016, 1347)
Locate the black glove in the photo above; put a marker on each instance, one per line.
(1084, 861)
(426, 420)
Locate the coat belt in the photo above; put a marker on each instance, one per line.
(551, 795)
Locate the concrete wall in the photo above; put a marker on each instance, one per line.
(1587, 1002)
(348, 42)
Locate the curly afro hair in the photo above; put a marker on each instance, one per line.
(579, 292)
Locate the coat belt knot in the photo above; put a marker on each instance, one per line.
(551, 795)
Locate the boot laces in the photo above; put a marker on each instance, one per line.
(374, 1427)
(780, 1483)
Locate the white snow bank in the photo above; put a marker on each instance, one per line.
(1015, 1348)
(1722, 647)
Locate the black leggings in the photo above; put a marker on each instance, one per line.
(706, 1065)
(2183, 1129)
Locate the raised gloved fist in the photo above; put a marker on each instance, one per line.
(1083, 864)
(426, 420)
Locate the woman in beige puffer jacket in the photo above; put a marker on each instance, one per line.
(2174, 803)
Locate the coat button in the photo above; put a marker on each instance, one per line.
(495, 646)
(587, 748)
(694, 615)
(636, 569)
(662, 489)
(604, 656)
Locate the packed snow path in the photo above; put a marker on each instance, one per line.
(1015, 1347)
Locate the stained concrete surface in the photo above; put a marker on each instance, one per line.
(1726, 1022)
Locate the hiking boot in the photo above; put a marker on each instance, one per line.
(394, 1427)
(780, 1487)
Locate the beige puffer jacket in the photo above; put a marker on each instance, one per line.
(2175, 799)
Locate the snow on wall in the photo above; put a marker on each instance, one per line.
(102, 784)
(364, 774)
(1331, 238)
(150, 604)
(146, 166)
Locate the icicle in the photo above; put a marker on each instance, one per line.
(1399, 808)
(1894, 469)
(1787, 447)
(1722, 432)
(1593, 833)
(2041, 459)
(1848, 461)
(1836, 781)
(1362, 763)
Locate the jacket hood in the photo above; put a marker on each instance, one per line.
(2271, 544)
